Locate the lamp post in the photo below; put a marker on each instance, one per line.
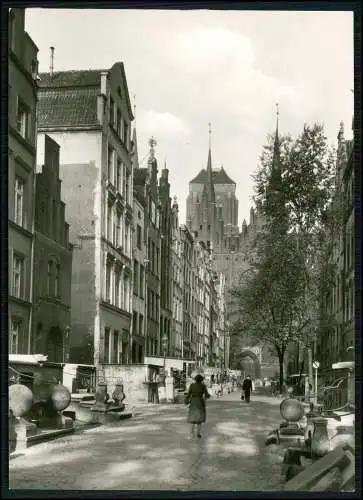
(316, 365)
(65, 343)
(164, 343)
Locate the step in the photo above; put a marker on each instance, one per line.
(306, 479)
(47, 435)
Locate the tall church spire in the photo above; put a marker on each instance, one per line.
(275, 198)
(276, 152)
(209, 162)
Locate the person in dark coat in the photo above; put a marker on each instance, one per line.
(247, 388)
(197, 394)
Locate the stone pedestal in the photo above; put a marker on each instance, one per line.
(23, 430)
(169, 389)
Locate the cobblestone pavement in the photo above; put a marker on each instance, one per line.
(154, 451)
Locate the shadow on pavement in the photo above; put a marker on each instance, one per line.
(155, 451)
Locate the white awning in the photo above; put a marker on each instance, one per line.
(177, 364)
(27, 359)
(347, 365)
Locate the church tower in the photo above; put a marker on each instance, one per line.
(212, 207)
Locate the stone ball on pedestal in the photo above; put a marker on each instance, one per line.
(61, 397)
(20, 399)
(292, 410)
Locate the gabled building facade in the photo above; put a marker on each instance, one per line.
(166, 260)
(22, 102)
(146, 187)
(52, 260)
(88, 113)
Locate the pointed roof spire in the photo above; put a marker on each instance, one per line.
(209, 162)
(134, 106)
(276, 153)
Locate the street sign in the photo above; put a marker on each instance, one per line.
(316, 365)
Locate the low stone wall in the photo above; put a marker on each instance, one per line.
(133, 378)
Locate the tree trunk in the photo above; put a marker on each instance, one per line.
(280, 355)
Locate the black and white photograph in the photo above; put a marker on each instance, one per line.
(181, 249)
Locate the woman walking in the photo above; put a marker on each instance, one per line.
(197, 394)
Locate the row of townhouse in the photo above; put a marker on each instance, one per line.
(121, 280)
(336, 338)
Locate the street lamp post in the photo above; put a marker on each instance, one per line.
(65, 343)
(164, 343)
(316, 365)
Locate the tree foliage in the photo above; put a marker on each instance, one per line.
(294, 182)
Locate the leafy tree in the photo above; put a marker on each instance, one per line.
(279, 303)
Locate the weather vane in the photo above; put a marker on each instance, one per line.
(152, 144)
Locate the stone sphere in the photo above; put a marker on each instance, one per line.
(20, 399)
(291, 410)
(61, 397)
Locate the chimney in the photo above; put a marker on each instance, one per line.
(51, 67)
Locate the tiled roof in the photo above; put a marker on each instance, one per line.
(67, 107)
(83, 78)
(219, 177)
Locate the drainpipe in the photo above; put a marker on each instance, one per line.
(31, 291)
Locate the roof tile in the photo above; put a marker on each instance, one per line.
(67, 107)
(219, 176)
(90, 77)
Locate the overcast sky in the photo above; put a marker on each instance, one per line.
(188, 68)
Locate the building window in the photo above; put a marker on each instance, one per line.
(114, 227)
(127, 239)
(14, 335)
(112, 112)
(141, 289)
(118, 229)
(138, 236)
(109, 222)
(22, 119)
(107, 345)
(108, 281)
(126, 133)
(115, 346)
(19, 200)
(117, 287)
(134, 323)
(57, 274)
(49, 277)
(119, 175)
(110, 163)
(18, 276)
(127, 192)
(136, 277)
(118, 122)
(141, 325)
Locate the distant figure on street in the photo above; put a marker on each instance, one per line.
(247, 388)
(197, 394)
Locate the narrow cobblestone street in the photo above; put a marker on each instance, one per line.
(154, 451)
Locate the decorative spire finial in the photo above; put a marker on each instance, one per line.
(210, 134)
(134, 107)
(152, 144)
(277, 115)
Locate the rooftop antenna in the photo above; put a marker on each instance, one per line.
(51, 67)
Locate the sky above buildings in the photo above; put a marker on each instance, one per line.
(188, 68)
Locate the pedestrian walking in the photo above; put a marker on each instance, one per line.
(196, 397)
(247, 388)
